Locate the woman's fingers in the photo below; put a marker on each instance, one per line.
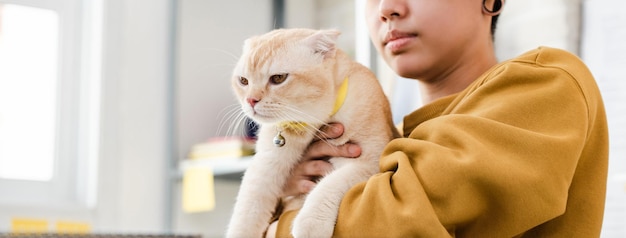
(315, 168)
(314, 165)
(305, 175)
(330, 131)
(322, 149)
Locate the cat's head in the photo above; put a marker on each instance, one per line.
(287, 75)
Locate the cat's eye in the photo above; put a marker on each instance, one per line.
(243, 80)
(278, 78)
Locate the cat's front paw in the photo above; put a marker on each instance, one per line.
(311, 226)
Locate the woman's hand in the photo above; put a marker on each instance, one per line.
(314, 164)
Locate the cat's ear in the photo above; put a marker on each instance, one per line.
(250, 42)
(246, 44)
(323, 42)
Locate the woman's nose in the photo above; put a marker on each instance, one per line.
(389, 9)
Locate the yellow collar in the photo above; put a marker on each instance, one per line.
(341, 98)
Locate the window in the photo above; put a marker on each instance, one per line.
(28, 40)
(49, 97)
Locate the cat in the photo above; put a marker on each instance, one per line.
(292, 82)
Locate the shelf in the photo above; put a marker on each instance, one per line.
(221, 166)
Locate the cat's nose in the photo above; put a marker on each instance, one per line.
(252, 101)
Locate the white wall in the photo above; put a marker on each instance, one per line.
(526, 24)
(134, 145)
(603, 49)
(325, 14)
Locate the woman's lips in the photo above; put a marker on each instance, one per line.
(396, 41)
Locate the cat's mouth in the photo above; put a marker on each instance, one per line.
(265, 118)
(260, 117)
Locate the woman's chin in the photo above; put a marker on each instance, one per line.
(405, 66)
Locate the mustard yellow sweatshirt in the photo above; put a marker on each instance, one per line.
(522, 152)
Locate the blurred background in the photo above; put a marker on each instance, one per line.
(104, 104)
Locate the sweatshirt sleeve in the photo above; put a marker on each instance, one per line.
(496, 162)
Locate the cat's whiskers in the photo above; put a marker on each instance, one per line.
(319, 134)
(291, 113)
(308, 128)
(233, 118)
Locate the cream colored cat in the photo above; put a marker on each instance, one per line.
(292, 82)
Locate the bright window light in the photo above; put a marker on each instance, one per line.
(28, 92)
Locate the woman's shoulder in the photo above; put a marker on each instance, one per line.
(563, 61)
(544, 64)
(557, 59)
(548, 67)
(551, 57)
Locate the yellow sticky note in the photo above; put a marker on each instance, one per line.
(198, 190)
(25, 225)
(70, 227)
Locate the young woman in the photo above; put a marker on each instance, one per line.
(515, 149)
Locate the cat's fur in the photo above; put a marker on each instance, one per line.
(316, 69)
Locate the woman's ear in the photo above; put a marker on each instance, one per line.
(492, 7)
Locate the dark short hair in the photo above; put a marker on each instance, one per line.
(494, 21)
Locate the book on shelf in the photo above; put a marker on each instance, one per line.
(223, 147)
